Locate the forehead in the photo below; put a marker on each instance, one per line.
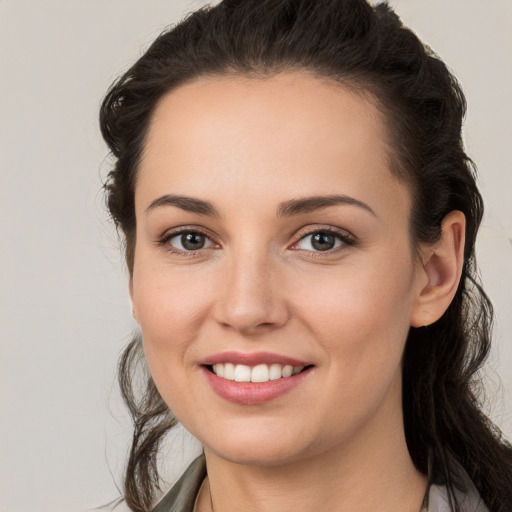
(282, 108)
(287, 134)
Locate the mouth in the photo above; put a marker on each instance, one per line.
(254, 379)
(258, 373)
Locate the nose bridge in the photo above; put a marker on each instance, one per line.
(251, 298)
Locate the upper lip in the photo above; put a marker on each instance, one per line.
(252, 359)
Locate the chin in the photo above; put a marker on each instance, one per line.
(259, 446)
(256, 456)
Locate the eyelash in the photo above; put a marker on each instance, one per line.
(164, 241)
(346, 238)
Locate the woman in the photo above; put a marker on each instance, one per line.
(300, 219)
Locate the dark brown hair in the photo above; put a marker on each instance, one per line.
(368, 49)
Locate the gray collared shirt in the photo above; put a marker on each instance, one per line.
(182, 496)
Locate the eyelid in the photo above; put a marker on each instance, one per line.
(347, 238)
(173, 232)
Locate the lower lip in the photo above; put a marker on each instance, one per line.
(253, 393)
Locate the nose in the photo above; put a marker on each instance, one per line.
(252, 299)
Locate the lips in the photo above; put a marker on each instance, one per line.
(252, 359)
(252, 379)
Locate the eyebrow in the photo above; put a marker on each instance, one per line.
(189, 204)
(286, 209)
(313, 203)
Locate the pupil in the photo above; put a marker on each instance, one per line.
(323, 241)
(192, 241)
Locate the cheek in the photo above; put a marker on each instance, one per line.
(170, 309)
(360, 321)
(170, 314)
(361, 314)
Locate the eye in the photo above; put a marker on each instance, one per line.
(323, 240)
(187, 241)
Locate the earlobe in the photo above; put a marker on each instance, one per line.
(442, 266)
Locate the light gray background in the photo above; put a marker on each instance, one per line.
(64, 310)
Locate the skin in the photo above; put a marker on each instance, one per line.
(246, 146)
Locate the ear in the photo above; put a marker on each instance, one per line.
(442, 266)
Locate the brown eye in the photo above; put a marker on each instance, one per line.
(323, 241)
(189, 241)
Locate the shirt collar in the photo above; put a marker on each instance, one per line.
(182, 496)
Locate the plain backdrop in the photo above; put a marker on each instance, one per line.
(64, 310)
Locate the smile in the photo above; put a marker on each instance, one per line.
(258, 373)
(255, 378)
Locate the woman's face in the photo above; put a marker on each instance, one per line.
(273, 238)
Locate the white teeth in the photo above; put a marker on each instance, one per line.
(258, 373)
(229, 371)
(275, 371)
(242, 373)
(219, 369)
(287, 371)
(297, 369)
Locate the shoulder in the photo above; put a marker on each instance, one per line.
(467, 496)
(439, 501)
(182, 496)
